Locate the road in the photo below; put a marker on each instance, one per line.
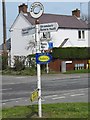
(16, 90)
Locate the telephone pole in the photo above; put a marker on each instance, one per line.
(4, 26)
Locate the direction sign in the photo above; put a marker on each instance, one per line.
(43, 58)
(49, 27)
(34, 95)
(29, 30)
(44, 46)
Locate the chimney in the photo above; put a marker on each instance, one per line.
(76, 13)
(23, 8)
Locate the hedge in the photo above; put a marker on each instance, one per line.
(71, 53)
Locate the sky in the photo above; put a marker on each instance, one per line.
(55, 7)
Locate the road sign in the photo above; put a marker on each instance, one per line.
(29, 30)
(49, 27)
(36, 9)
(34, 95)
(50, 45)
(43, 58)
(44, 46)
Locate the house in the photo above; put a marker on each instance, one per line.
(72, 31)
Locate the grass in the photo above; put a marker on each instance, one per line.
(27, 71)
(32, 71)
(77, 71)
(58, 110)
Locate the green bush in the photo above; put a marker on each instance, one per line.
(4, 61)
(71, 53)
(19, 63)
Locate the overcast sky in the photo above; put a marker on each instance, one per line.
(63, 8)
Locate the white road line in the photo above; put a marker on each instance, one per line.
(58, 98)
(3, 103)
(7, 89)
(8, 83)
(12, 99)
(50, 96)
(78, 89)
(21, 77)
(77, 95)
(13, 83)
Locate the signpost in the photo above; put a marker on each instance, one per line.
(49, 27)
(29, 30)
(36, 14)
(36, 11)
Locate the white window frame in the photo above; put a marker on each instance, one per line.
(81, 34)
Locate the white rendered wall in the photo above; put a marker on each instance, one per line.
(59, 36)
(19, 43)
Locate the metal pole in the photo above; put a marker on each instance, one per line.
(38, 71)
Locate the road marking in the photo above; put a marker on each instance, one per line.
(50, 96)
(12, 99)
(58, 98)
(77, 95)
(7, 89)
(3, 103)
(21, 77)
(8, 83)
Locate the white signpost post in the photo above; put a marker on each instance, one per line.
(37, 29)
(36, 14)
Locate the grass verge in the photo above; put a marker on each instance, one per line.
(32, 72)
(77, 71)
(58, 110)
(27, 71)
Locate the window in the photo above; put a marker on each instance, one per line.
(46, 35)
(81, 34)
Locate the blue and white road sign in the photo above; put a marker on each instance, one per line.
(50, 44)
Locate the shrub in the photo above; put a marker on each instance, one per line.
(4, 61)
(19, 63)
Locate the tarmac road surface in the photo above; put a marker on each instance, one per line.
(56, 88)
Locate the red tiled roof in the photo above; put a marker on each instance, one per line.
(64, 21)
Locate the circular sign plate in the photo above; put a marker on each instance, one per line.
(36, 9)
